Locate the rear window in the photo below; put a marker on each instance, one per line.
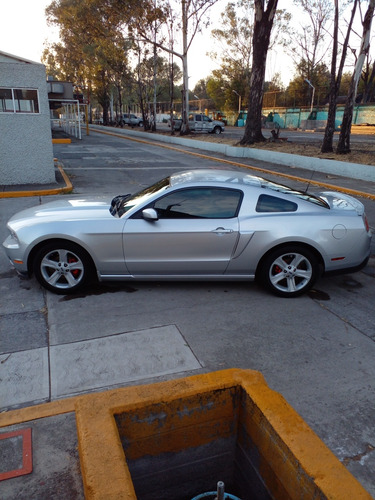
(303, 195)
(267, 203)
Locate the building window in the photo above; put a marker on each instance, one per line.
(6, 101)
(19, 101)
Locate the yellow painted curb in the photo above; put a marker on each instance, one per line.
(36, 412)
(294, 463)
(68, 188)
(61, 141)
(242, 165)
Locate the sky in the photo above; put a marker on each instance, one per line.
(31, 32)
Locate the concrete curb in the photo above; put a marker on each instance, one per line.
(334, 167)
(61, 141)
(68, 188)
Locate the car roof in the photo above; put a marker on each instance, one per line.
(216, 176)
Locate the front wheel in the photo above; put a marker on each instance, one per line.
(289, 271)
(62, 267)
(217, 130)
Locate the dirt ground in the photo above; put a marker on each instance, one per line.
(362, 152)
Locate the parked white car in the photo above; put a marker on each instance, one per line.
(199, 122)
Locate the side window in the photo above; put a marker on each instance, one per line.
(198, 118)
(267, 203)
(209, 203)
(19, 101)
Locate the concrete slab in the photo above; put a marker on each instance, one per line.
(56, 472)
(24, 377)
(18, 295)
(28, 330)
(119, 359)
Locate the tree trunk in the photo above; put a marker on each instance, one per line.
(171, 92)
(343, 146)
(327, 146)
(185, 98)
(261, 38)
(369, 88)
(185, 86)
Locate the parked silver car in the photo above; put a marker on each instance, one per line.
(194, 225)
(132, 120)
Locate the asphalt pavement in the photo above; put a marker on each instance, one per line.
(317, 350)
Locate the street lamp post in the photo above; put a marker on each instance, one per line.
(239, 101)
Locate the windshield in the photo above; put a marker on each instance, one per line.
(121, 206)
(299, 194)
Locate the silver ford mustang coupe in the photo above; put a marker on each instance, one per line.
(193, 225)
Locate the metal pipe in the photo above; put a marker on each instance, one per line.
(220, 490)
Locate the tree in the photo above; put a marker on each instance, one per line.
(309, 43)
(200, 88)
(335, 80)
(234, 39)
(92, 51)
(217, 89)
(263, 22)
(153, 77)
(368, 80)
(298, 91)
(188, 23)
(343, 145)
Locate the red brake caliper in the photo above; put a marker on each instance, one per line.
(75, 272)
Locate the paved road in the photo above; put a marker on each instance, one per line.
(317, 350)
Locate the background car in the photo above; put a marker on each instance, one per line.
(193, 225)
(199, 122)
(132, 120)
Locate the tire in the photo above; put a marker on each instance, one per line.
(62, 267)
(289, 271)
(140, 124)
(217, 130)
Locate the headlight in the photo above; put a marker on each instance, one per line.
(12, 241)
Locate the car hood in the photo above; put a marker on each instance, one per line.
(341, 201)
(64, 209)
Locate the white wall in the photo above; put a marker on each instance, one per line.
(26, 154)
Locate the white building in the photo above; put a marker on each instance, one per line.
(26, 154)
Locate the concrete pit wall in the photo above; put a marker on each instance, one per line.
(176, 439)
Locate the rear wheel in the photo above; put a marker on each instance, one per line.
(289, 271)
(62, 267)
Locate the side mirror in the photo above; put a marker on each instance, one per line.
(150, 214)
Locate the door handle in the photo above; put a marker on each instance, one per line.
(221, 230)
